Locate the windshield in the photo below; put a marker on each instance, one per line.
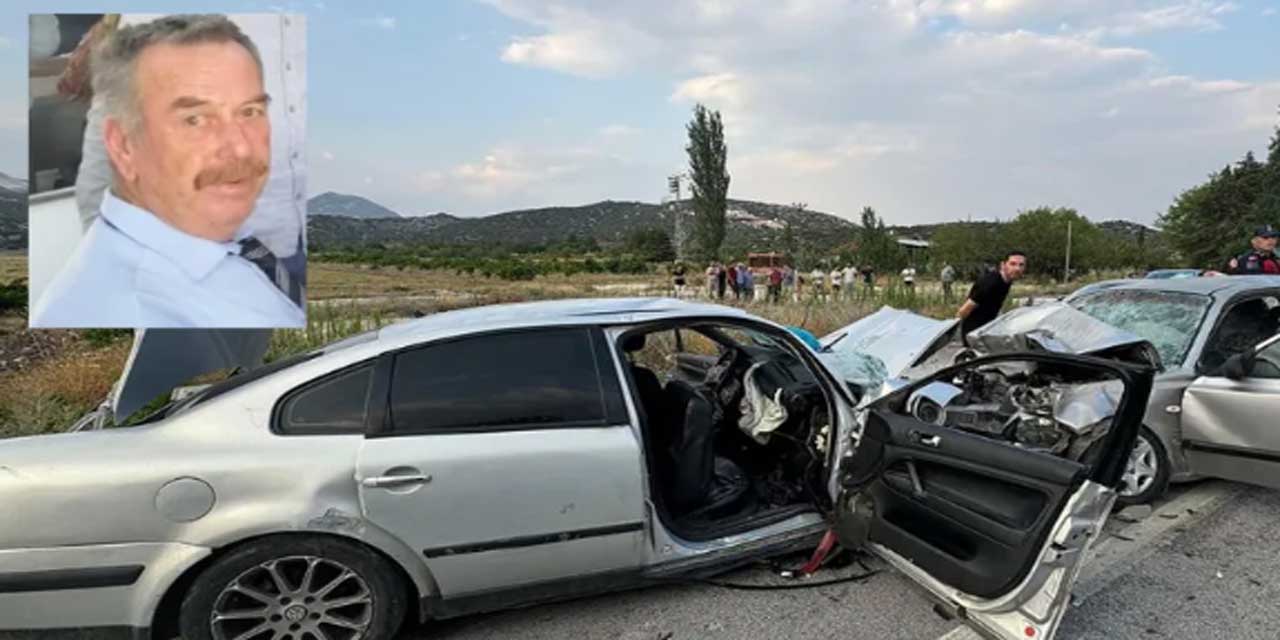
(1168, 320)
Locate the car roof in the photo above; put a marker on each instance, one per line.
(1217, 286)
(601, 311)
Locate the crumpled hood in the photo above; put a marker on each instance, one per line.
(881, 346)
(1060, 328)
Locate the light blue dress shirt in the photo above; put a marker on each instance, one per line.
(133, 270)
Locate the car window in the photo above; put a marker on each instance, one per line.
(1240, 329)
(511, 380)
(336, 404)
(1169, 320)
(1267, 363)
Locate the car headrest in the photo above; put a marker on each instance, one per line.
(633, 342)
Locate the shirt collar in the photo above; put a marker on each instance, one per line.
(194, 255)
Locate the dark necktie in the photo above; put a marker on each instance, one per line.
(254, 251)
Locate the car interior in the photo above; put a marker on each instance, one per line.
(1241, 328)
(966, 473)
(735, 426)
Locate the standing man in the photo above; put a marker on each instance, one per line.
(837, 280)
(677, 278)
(869, 279)
(818, 286)
(948, 277)
(988, 294)
(850, 280)
(775, 284)
(909, 278)
(746, 282)
(1261, 258)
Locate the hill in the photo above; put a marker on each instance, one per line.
(339, 204)
(752, 224)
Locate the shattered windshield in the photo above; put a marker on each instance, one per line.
(1168, 320)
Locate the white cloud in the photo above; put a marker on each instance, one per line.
(368, 180)
(618, 130)
(1099, 17)
(1025, 102)
(5, 43)
(1270, 11)
(723, 90)
(380, 21)
(327, 155)
(1202, 87)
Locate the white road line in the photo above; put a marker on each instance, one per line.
(1114, 556)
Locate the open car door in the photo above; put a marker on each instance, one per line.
(987, 481)
(1229, 429)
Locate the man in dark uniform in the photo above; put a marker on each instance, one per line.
(1261, 259)
(989, 292)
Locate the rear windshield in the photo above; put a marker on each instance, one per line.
(1169, 320)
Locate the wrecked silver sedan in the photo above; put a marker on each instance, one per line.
(1211, 340)
(501, 456)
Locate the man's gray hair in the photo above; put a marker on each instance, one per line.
(115, 59)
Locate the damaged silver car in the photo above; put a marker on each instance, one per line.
(501, 456)
(1209, 339)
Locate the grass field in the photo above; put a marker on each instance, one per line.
(63, 374)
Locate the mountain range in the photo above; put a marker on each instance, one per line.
(606, 222)
(338, 221)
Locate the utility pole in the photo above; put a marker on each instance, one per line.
(678, 234)
(1066, 273)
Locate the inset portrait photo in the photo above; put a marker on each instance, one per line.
(167, 176)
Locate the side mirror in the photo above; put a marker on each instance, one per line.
(1237, 366)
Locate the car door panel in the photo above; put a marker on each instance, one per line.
(515, 470)
(983, 503)
(1229, 431)
(507, 508)
(996, 530)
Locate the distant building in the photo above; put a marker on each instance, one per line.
(914, 248)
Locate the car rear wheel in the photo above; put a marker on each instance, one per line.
(287, 588)
(1147, 473)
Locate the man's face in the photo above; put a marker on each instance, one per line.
(1263, 244)
(203, 148)
(1013, 267)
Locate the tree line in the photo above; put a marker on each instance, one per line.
(1205, 226)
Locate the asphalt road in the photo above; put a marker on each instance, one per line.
(1212, 571)
(1216, 578)
(885, 606)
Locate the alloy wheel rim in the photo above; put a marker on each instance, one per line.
(1140, 472)
(294, 598)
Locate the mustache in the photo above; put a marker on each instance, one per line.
(247, 168)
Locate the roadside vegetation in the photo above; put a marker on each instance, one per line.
(50, 390)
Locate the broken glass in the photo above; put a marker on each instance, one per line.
(1169, 320)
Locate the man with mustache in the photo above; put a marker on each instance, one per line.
(186, 130)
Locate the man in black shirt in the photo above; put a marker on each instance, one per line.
(988, 293)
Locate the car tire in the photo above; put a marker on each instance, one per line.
(1146, 475)
(290, 586)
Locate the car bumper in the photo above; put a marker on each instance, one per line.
(87, 591)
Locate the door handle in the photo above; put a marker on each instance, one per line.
(934, 441)
(384, 482)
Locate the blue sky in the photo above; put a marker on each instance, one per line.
(928, 110)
